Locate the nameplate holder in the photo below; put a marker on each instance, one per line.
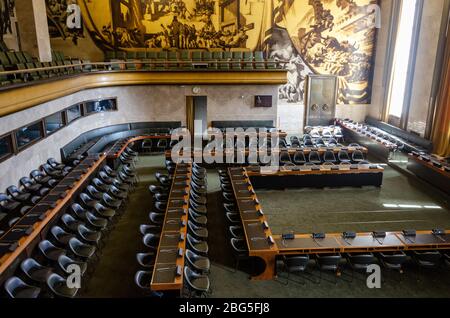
(288, 236)
(409, 233)
(335, 168)
(260, 212)
(373, 167)
(179, 270)
(354, 167)
(270, 240)
(180, 252)
(349, 235)
(183, 223)
(181, 239)
(379, 234)
(438, 232)
(315, 168)
(318, 235)
(265, 225)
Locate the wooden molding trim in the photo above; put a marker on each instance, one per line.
(17, 99)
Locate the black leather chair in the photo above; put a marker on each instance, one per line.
(104, 212)
(357, 156)
(314, 157)
(360, 262)
(240, 251)
(33, 187)
(285, 158)
(50, 251)
(18, 195)
(17, 288)
(156, 218)
(147, 145)
(42, 178)
(233, 218)
(7, 204)
(329, 156)
(57, 165)
(299, 158)
(93, 193)
(81, 250)
(236, 231)
(393, 260)
(200, 233)
(89, 236)
(295, 265)
(151, 240)
(64, 263)
(329, 262)
(162, 145)
(59, 236)
(34, 271)
(198, 284)
(200, 264)
(343, 156)
(146, 260)
(100, 185)
(70, 223)
(427, 259)
(198, 219)
(197, 246)
(200, 209)
(59, 287)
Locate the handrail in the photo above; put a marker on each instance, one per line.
(142, 62)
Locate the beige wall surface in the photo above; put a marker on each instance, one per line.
(136, 104)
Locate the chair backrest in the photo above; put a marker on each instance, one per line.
(329, 259)
(363, 259)
(428, 256)
(295, 261)
(314, 156)
(299, 157)
(329, 156)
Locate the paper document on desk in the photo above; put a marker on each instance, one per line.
(269, 170)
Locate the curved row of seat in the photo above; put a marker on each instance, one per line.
(20, 199)
(197, 264)
(328, 157)
(73, 244)
(335, 263)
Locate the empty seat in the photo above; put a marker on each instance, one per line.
(149, 228)
(80, 249)
(197, 246)
(285, 158)
(35, 271)
(343, 156)
(427, 259)
(60, 236)
(151, 240)
(329, 262)
(197, 283)
(236, 231)
(17, 288)
(59, 286)
(240, 250)
(199, 263)
(50, 251)
(314, 157)
(393, 260)
(328, 156)
(146, 260)
(66, 264)
(295, 265)
(357, 156)
(198, 232)
(17, 194)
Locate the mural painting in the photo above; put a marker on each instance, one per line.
(313, 36)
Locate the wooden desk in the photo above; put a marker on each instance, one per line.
(50, 206)
(256, 229)
(427, 171)
(324, 176)
(172, 244)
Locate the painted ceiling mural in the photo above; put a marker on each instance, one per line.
(315, 36)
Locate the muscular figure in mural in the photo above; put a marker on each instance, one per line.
(6, 10)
